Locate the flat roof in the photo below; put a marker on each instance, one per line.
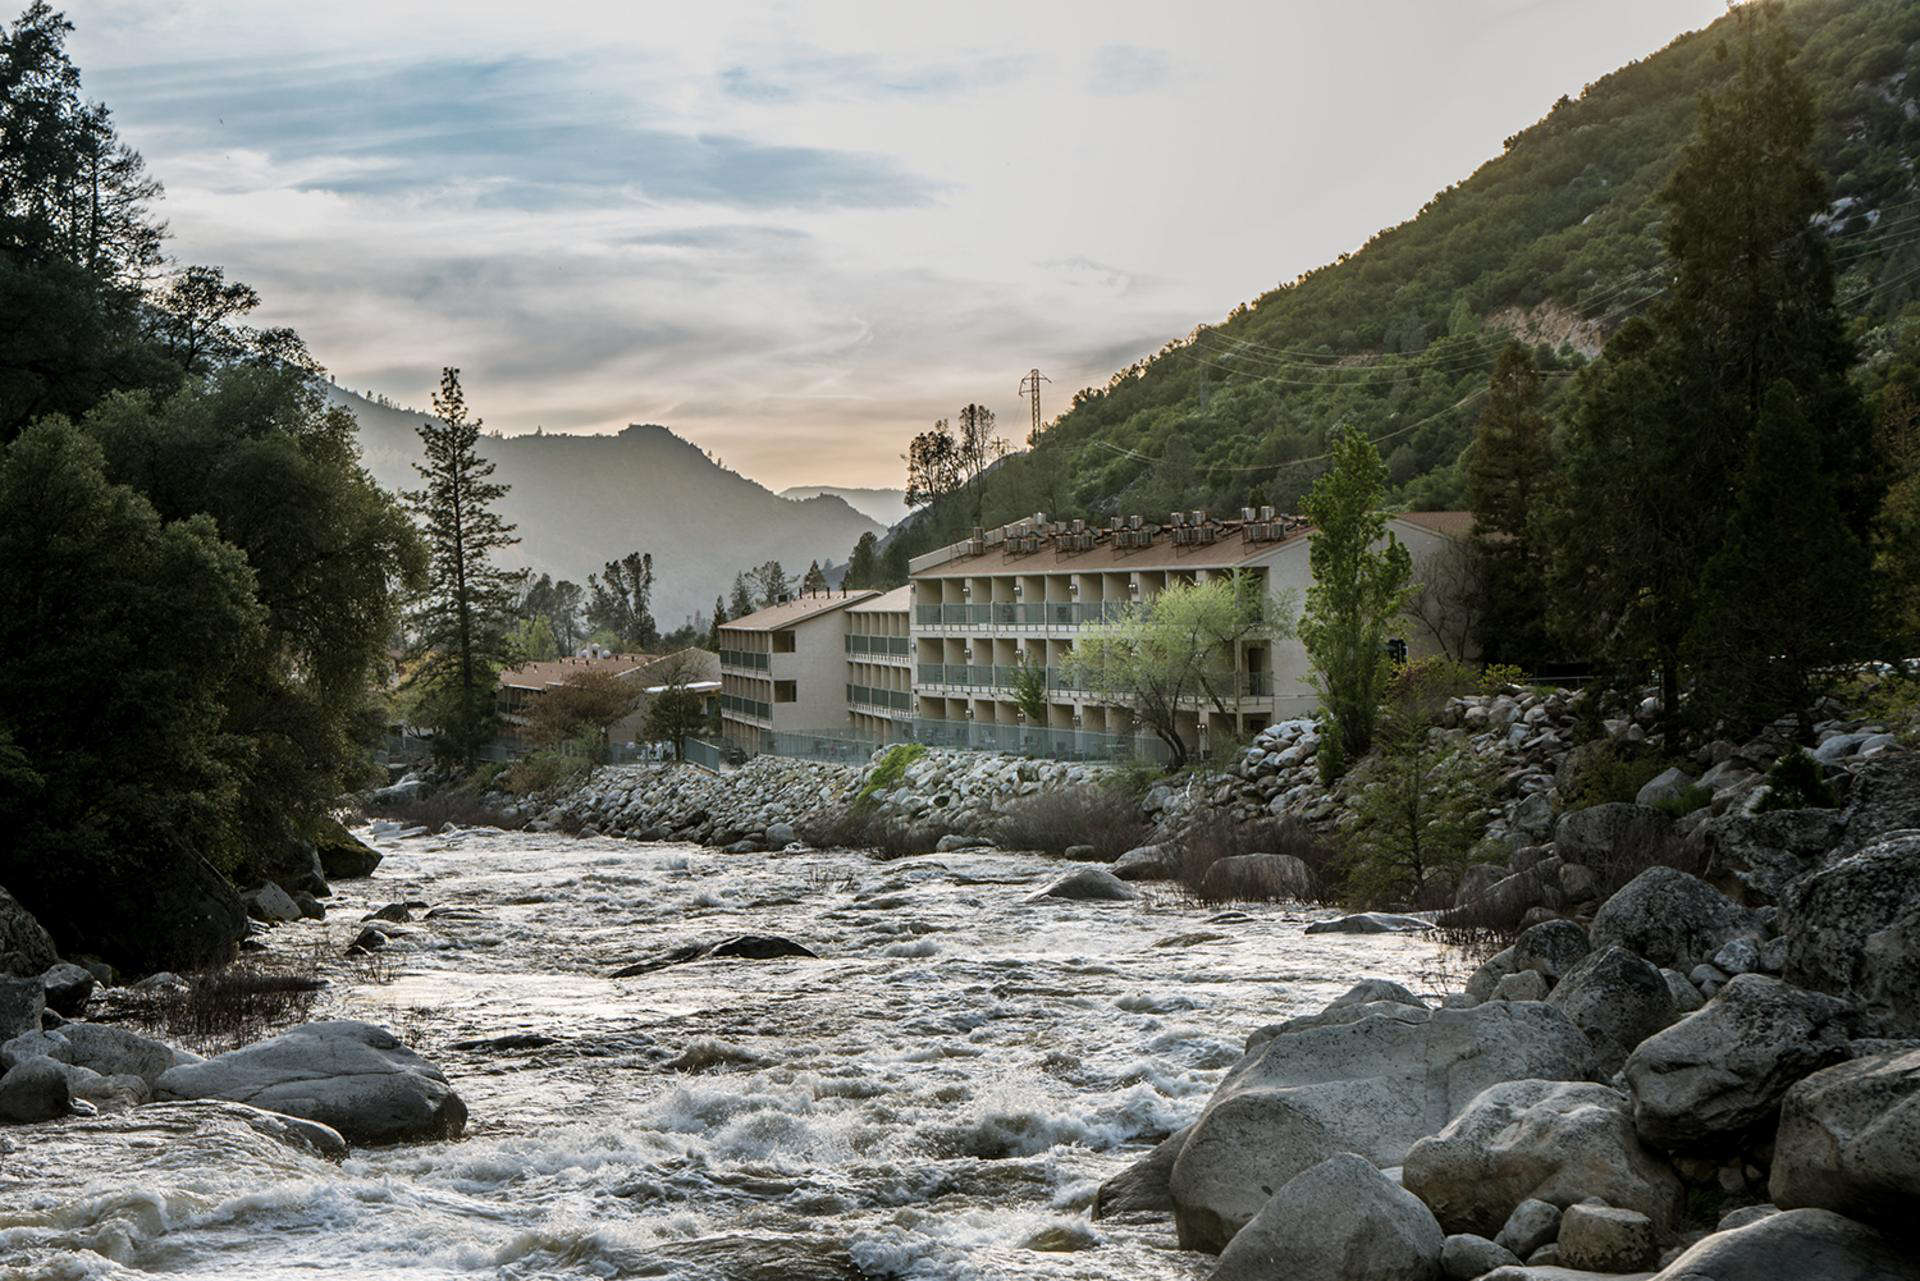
(1450, 524)
(897, 601)
(798, 610)
(1228, 551)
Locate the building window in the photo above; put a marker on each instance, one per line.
(783, 642)
(783, 692)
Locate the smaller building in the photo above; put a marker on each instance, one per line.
(784, 668)
(879, 640)
(521, 688)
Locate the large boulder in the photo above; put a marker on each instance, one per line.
(1853, 930)
(1551, 949)
(1670, 918)
(352, 1076)
(1258, 877)
(1755, 857)
(1814, 1245)
(21, 1003)
(271, 904)
(1338, 1220)
(1618, 1000)
(1148, 863)
(1605, 1238)
(1884, 799)
(1087, 885)
(343, 856)
(68, 988)
(35, 1090)
(1375, 1082)
(1552, 1141)
(1849, 1140)
(1592, 834)
(25, 947)
(1713, 1079)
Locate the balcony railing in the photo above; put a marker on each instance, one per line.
(1068, 680)
(1019, 614)
(880, 646)
(894, 700)
(749, 660)
(746, 707)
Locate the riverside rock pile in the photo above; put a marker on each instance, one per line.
(962, 795)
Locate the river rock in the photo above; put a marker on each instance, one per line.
(1551, 1141)
(1853, 930)
(1849, 1141)
(1665, 787)
(1604, 1238)
(1755, 857)
(35, 1090)
(68, 988)
(1686, 997)
(1532, 1224)
(103, 1049)
(1148, 863)
(1618, 1000)
(21, 1001)
(1371, 923)
(1527, 985)
(271, 904)
(1259, 877)
(1087, 885)
(1594, 833)
(1796, 1244)
(1712, 1079)
(1465, 1257)
(352, 1076)
(1338, 1220)
(1551, 948)
(1374, 1084)
(343, 856)
(1670, 918)
(741, 947)
(1144, 1185)
(25, 947)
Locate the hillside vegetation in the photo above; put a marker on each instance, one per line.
(1555, 241)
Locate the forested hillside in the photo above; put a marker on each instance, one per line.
(1555, 241)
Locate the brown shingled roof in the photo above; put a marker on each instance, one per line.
(797, 610)
(1449, 524)
(558, 671)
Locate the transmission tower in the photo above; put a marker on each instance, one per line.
(1030, 386)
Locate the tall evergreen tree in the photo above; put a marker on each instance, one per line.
(1509, 474)
(1661, 439)
(771, 583)
(894, 563)
(719, 621)
(1362, 576)
(742, 602)
(463, 621)
(863, 564)
(814, 581)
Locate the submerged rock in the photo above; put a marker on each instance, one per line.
(1088, 885)
(1371, 923)
(745, 947)
(352, 1076)
(1144, 1185)
(342, 855)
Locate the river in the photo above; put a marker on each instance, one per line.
(937, 1096)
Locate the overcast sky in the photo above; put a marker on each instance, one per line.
(797, 233)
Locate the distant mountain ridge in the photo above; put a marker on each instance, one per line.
(888, 506)
(580, 501)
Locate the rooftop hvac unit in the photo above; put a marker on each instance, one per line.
(1178, 519)
(1079, 526)
(977, 547)
(1207, 533)
(1246, 515)
(1114, 523)
(1133, 522)
(1199, 518)
(1266, 513)
(1039, 518)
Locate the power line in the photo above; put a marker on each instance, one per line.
(1030, 386)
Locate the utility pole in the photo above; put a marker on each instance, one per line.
(1030, 386)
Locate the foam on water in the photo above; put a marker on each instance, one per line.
(937, 1096)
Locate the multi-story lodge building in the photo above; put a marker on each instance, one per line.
(937, 661)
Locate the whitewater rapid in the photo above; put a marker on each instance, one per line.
(937, 1096)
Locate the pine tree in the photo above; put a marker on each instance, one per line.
(741, 603)
(1358, 589)
(464, 620)
(863, 564)
(814, 581)
(719, 621)
(1509, 473)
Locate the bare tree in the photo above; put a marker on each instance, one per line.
(1450, 597)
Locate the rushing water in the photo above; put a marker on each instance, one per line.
(937, 1096)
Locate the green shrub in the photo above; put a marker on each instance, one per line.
(545, 771)
(1611, 773)
(1794, 783)
(1685, 801)
(888, 774)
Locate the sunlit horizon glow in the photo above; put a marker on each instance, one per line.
(797, 233)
